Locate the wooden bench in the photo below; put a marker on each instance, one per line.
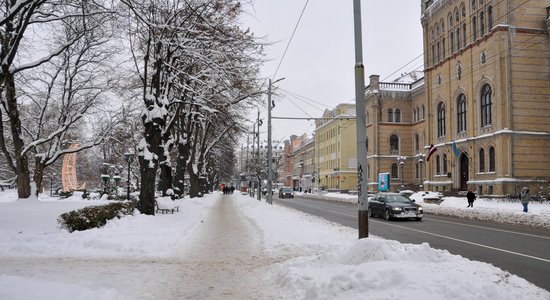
(165, 205)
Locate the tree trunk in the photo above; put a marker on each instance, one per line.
(179, 180)
(165, 181)
(194, 183)
(38, 174)
(147, 192)
(22, 164)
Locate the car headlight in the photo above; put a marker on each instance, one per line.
(397, 208)
(420, 209)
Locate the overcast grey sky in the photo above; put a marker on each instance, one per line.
(319, 63)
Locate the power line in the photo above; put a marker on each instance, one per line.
(291, 37)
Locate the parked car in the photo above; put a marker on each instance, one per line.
(286, 192)
(394, 205)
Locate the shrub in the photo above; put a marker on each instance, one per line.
(94, 216)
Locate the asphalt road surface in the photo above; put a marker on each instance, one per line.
(518, 250)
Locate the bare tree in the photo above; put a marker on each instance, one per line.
(16, 19)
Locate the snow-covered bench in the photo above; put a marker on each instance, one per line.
(166, 204)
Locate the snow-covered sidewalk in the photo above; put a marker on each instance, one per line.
(227, 247)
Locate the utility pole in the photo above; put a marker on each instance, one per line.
(269, 196)
(362, 186)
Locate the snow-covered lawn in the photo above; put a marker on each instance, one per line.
(311, 258)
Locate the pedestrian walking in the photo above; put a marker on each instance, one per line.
(471, 196)
(525, 197)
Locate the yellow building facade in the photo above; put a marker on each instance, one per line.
(336, 149)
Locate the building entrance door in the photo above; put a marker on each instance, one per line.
(464, 167)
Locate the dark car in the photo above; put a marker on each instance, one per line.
(286, 192)
(394, 205)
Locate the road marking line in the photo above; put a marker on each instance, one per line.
(501, 230)
(468, 242)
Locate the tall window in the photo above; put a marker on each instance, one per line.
(474, 27)
(394, 170)
(464, 37)
(441, 119)
(397, 114)
(444, 163)
(390, 115)
(486, 103)
(489, 17)
(492, 159)
(481, 23)
(461, 113)
(416, 143)
(481, 160)
(437, 165)
(394, 144)
(367, 143)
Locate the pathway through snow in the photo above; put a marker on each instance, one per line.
(225, 259)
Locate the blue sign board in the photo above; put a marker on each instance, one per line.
(383, 182)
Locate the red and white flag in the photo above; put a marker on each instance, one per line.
(431, 151)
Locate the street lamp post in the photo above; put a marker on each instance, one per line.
(129, 157)
(269, 197)
(401, 160)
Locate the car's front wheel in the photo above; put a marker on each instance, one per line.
(387, 215)
(370, 213)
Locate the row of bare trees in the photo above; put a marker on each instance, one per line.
(75, 71)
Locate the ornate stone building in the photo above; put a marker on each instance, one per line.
(484, 102)
(487, 82)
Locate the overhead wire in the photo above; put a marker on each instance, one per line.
(290, 41)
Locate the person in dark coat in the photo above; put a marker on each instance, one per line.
(471, 196)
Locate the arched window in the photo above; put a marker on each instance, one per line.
(394, 144)
(464, 37)
(415, 115)
(437, 165)
(444, 163)
(441, 119)
(397, 114)
(481, 23)
(492, 159)
(394, 170)
(486, 103)
(474, 27)
(367, 143)
(461, 113)
(457, 38)
(416, 143)
(481, 160)
(390, 115)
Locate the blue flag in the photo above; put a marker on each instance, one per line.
(455, 149)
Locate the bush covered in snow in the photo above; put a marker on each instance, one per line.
(94, 216)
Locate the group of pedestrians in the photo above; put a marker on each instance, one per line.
(227, 190)
(524, 198)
